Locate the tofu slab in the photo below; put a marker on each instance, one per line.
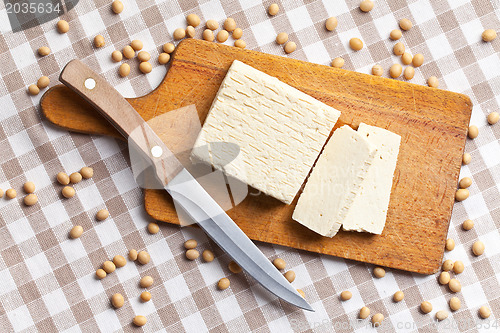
(369, 211)
(280, 131)
(335, 181)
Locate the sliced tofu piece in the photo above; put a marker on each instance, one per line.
(334, 182)
(280, 131)
(369, 210)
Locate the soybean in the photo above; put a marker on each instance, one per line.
(143, 257)
(234, 267)
(418, 60)
(433, 82)
(168, 48)
(62, 26)
(331, 23)
(33, 89)
(102, 214)
(405, 24)
(240, 43)
(379, 272)
(75, 178)
(145, 67)
(466, 158)
(406, 58)
(192, 254)
(465, 182)
(447, 265)
(279, 263)
(366, 5)
(11, 193)
(455, 285)
(484, 312)
(222, 36)
(223, 283)
(377, 70)
(143, 56)
(488, 35)
(30, 199)
(493, 118)
(100, 273)
(208, 35)
(441, 315)
(364, 312)
(302, 293)
(163, 58)
(478, 248)
(409, 73)
(146, 281)
(99, 41)
(338, 62)
(468, 224)
(237, 33)
(145, 296)
(290, 276)
(68, 192)
(473, 132)
(43, 82)
(290, 47)
(345, 295)
(76, 231)
(450, 244)
(426, 307)
(117, 300)
(458, 267)
(399, 49)
(136, 44)
(208, 256)
(119, 261)
(377, 319)
(444, 278)
(396, 70)
(229, 24)
(117, 56)
(108, 266)
(128, 52)
(87, 172)
(117, 6)
(398, 296)
(29, 187)
(43, 51)
(273, 9)
(461, 194)
(282, 38)
(132, 254)
(356, 44)
(455, 303)
(153, 228)
(140, 320)
(190, 244)
(193, 20)
(212, 25)
(190, 32)
(395, 34)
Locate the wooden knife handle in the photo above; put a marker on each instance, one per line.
(113, 106)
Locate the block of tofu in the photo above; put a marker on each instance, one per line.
(369, 211)
(280, 131)
(334, 182)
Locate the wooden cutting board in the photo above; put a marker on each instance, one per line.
(432, 123)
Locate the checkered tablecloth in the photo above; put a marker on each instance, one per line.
(47, 281)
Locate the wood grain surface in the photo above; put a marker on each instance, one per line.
(432, 123)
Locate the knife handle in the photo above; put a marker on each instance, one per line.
(115, 108)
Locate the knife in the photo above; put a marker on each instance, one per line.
(186, 192)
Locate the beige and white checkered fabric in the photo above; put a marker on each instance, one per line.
(47, 281)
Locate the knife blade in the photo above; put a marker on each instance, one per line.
(186, 192)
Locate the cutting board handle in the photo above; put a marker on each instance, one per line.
(115, 108)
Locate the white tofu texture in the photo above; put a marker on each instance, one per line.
(368, 213)
(280, 131)
(335, 181)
